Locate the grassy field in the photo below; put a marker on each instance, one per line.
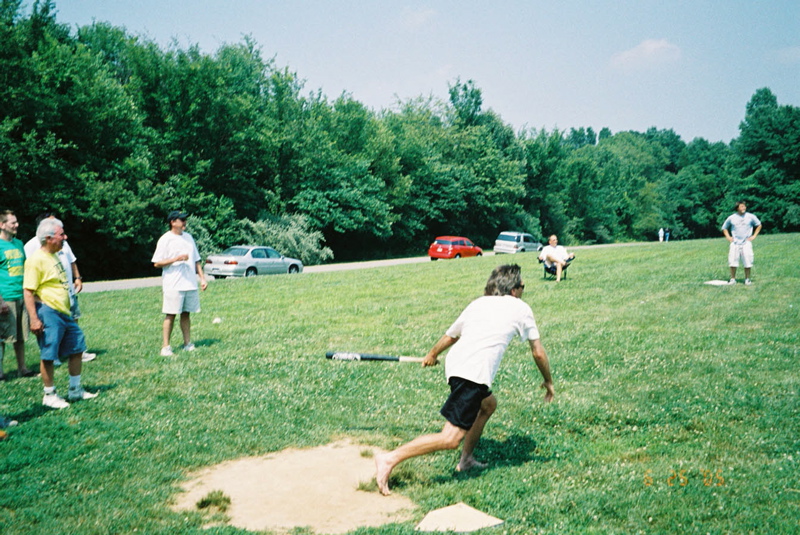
(676, 407)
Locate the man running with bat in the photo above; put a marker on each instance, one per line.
(478, 338)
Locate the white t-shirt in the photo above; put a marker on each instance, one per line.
(484, 329)
(556, 252)
(66, 256)
(178, 276)
(741, 226)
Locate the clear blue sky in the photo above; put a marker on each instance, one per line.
(623, 64)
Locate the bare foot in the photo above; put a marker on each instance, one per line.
(383, 469)
(469, 464)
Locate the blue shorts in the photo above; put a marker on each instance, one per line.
(464, 402)
(61, 337)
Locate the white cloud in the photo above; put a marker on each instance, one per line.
(414, 19)
(646, 55)
(789, 56)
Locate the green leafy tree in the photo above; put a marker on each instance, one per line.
(466, 101)
(291, 235)
(340, 192)
(768, 152)
(694, 197)
(544, 203)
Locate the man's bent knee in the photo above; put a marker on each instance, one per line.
(451, 436)
(489, 405)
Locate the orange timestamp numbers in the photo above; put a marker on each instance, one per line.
(681, 478)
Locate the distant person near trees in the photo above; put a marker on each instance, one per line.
(48, 304)
(177, 256)
(556, 255)
(479, 338)
(741, 228)
(13, 316)
(661, 234)
(74, 279)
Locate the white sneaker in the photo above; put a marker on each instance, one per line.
(88, 357)
(189, 347)
(166, 351)
(77, 394)
(748, 282)
(54, 401)
(732, 281)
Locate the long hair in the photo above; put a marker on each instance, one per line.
(503, 280)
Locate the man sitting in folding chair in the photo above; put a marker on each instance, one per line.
(555, 257)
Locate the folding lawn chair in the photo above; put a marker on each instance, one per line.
(550, 272)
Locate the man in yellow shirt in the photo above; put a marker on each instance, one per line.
(47, 300)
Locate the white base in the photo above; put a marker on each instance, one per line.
(460, 518)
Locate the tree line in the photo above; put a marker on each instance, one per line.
(111, 131)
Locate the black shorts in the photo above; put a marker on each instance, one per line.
(464, 402)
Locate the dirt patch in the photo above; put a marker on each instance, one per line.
(315, 488)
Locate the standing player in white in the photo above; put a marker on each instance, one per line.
(177, 256)
(741, 228)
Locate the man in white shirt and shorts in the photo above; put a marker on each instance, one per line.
(741, 228)
(479, 338)
(177, 256)
(554, 254)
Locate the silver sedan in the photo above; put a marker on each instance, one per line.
(249, 261)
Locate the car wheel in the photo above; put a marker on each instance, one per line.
(434, 259)
(293, 269)
(457, 256)
(251, 272)
(479, 254)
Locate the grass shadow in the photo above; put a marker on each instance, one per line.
(206, 342)
(15, 375)
(37, 410)
(516, 450)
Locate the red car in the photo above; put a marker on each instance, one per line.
(453, 247)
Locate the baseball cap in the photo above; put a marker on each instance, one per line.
(176, 214)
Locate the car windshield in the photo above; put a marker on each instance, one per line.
(507, 237)
(443, 242)
(235, 251)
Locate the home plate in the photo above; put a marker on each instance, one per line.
(460, 518)
(717, 283)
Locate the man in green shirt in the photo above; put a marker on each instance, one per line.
(13, 317)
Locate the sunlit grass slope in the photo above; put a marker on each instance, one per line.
(676, 404)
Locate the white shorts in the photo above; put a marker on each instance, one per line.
(742, 251)
(178, 302)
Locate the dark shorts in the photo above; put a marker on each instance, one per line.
(464, 402)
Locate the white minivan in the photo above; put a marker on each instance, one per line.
(515, 242)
